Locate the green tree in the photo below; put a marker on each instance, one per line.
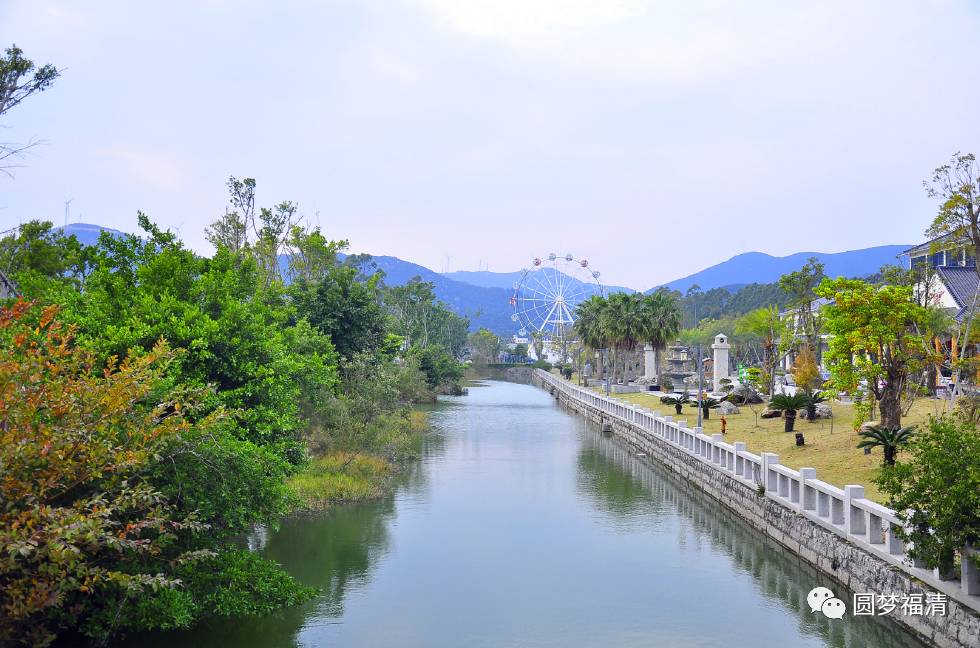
(936, 491)
(876, 343)
(624, 323)
(661, 321)
(788, 404)
(589, 326)
(486, 344)
(800, 287)
(886, 438)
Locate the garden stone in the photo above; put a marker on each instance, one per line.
(745, 394)
(727, 408)
(770, 413)
(824, 411)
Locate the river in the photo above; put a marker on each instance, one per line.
(522, 525)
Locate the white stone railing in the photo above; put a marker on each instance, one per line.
(845, 512)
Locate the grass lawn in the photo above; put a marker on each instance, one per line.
(830, 443)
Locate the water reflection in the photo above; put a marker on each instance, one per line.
(627, 485)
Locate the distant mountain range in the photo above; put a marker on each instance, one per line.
(508, 279)
(756, 267)
(484, 296)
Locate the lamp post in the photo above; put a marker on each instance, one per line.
(605, 368)
(700, 364)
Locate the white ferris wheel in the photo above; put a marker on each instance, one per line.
(547, 293)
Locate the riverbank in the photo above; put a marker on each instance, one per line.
(831, 444)
(356, 474)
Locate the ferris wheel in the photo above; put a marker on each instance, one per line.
(546, 294)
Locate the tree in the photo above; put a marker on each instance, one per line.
(888, 439)
(773, 331)
(346, 310)
(876, 344)
(788, 405)
(590, 326)
(486, 344)
(707, 404)
(90, 539)
(936, 491)
(623, 321)
(799, 286)
(661, 321)
(19, 79)
(677, 400)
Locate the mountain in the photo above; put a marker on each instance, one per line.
(485, 306)
(756, 267)
(86, 233)
(487, 279)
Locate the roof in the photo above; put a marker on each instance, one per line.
(926, 247)
(962, 283)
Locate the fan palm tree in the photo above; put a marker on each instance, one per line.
(622, 320)
(812, 400)
(707, 404)
(889, 438)
(661, 322)
(788, 405)
(677, 400)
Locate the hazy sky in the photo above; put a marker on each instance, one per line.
(654, 138)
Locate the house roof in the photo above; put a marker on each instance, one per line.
(927, 246)
(962, 283)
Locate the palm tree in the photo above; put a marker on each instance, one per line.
(788, 405)
(889, 438)
(676, 400)
(622, 319)
(661, 322)
(707, 404)
(589, 325)
(812, 400)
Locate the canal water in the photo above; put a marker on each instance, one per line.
(522, 525)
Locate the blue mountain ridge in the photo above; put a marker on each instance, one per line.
(484, 296)
(757, 267)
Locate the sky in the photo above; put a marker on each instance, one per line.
(652, 138)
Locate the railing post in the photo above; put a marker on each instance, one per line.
(740, 461)
(769, 476)
(715, 450)
(853, 516)
(808, 495)
(969, 571)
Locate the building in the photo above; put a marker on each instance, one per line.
(952, 281)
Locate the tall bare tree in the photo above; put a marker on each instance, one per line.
(19, 79)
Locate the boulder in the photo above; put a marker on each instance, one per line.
(745, 394)
(867, 426)
(824, 411)
(770, 413)
(727, 408)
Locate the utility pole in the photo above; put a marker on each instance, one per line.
(67, 204)
(700, 365)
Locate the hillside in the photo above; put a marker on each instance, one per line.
(757, 267)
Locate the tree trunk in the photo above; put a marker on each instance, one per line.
(679, 408)
(788, 420)
(706, 411)
(889, 455)
(890, 405)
